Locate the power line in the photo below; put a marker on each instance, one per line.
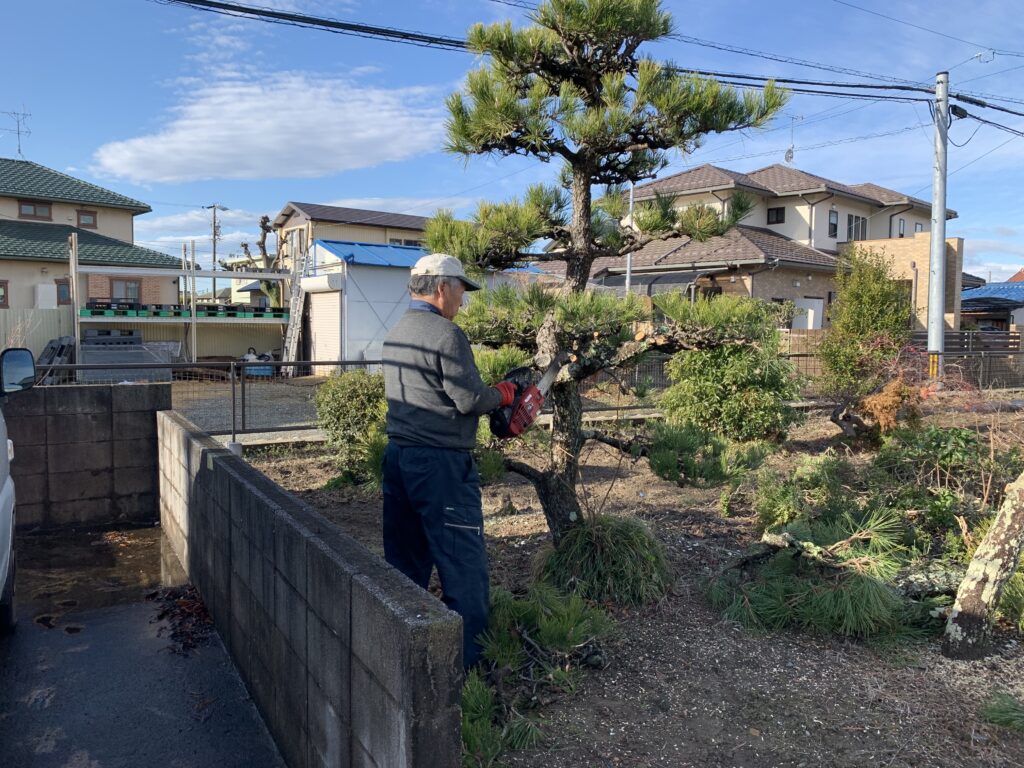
(317, 22)
(927, 29)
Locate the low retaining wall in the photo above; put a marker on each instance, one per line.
(85, 455)
(349, 662)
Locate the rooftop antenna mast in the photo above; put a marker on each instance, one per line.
(792, 147)
(20, 128)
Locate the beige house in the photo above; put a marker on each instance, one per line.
(298, 225)
(39, 209)
(786, 249)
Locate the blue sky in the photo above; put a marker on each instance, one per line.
(182, 108)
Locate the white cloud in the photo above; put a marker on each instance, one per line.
(283, 125)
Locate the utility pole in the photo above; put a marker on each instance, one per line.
(216, 236)
(937, 259)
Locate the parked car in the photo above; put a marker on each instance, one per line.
(17, 373)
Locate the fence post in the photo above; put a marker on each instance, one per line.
(242, 387)
(234, 427)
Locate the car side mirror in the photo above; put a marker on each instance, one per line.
(17, 369)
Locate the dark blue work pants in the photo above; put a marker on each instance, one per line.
(433, 517)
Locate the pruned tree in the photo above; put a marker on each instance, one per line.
(970, 621)
(263, 260)
(865, 347)
(573, 88)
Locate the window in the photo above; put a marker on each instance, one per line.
(856, 227)
(87, 219)
(833, 223)
(3, 295)
(400, 241)
(776, 215)
(918, 227)
(63, 291)
(903, 227)
(125, 290)
(28, 209)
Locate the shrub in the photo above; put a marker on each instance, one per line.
(369, 453)
(608, 559)
(736, 391)
(815, 489)
(1004, 710)
(347, 406)
(534, 641)
(869, 325)
(688, 455)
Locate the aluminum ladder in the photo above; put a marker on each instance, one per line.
(295, 306)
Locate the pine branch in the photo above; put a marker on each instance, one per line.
(535, 476)
(636, 446)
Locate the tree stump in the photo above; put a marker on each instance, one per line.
(970, 622)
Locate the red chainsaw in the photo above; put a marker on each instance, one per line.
(513, 420)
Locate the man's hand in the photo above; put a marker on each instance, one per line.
(507, 390)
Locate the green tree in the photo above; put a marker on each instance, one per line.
(572, 88)
(870, 327)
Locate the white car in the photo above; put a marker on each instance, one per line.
(17, 372)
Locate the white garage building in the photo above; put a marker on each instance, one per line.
(356, 293)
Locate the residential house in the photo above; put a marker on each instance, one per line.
(995, 307)
(298, 225)
(786, 249)
(1018, 277)
(39, 209)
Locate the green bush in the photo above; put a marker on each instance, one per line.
(688, 455)
(736, 391)
(535, 641)
(347, 406)
(950, 469)
(869, 323)
(814, 490)
(608, 559)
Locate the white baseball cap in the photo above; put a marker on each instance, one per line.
(444, 265)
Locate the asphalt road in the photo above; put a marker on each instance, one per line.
(92, 678)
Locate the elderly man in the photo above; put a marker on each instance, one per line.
(432, 512)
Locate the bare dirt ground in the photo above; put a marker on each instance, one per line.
(684, 687)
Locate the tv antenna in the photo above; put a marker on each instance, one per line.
(792, 148)
(20, 127)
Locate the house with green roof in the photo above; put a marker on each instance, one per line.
(39, 209)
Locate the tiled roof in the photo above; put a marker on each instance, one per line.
(704, 177)
(739, 244)
(967, 280)
(1005, 291)
(1018, 277)
(49, 242)
(774, 180)
(25, 179)
(335, 214)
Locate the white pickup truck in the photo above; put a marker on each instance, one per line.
(17, 373)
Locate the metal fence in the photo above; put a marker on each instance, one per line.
(223, 398)
(232, 398)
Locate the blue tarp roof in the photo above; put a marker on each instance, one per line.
(373, 254)
(1001, 295)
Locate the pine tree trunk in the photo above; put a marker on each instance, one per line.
(557, 491)
(970, 622)
(577, 270)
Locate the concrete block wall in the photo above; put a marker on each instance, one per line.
(85, 455)
(349, 662)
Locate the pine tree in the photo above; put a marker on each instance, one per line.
(572, 88)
